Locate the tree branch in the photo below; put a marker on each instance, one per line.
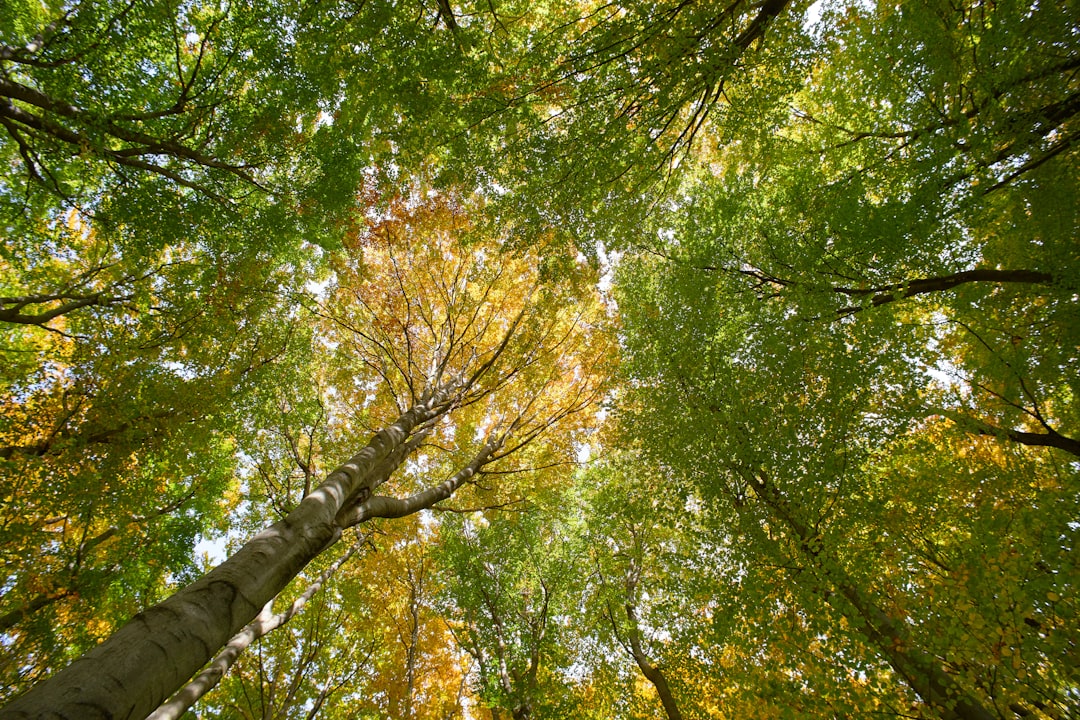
(898, 291)
(1051, 438)
(386, 507)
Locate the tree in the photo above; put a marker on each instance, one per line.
(627, 542)
(298, 666)
(843, 476)
(101, 503)
(824, 299)
(510, 579)
(802, 496)
(472, 333)
(806, 315)
(137, 321)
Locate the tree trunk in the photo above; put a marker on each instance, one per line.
(132, 672)
(153, 655)
(922, 672)
(263, 625)
(415, 597)
(651, 672)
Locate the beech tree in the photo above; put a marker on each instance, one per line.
(627, 538)
(509, 585)
(102, 503)
(837, 244)
(470, 332)
(820, 320)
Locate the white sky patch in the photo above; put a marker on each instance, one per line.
(213, 549)
(428, 520)
(318, 289)
(608, 262)
(943, 372)
(813, 16)
(181, 370)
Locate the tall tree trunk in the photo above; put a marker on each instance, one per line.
(153, 655)
(922, 672)
(651, 672)
(266, 622)
(416, 591)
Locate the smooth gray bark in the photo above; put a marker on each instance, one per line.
(131, 673)
(380, 506)
(266, 622)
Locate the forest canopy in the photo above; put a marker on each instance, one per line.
(538, 360)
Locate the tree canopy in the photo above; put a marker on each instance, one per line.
(528, 360)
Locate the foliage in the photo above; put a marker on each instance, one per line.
(818, 265)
